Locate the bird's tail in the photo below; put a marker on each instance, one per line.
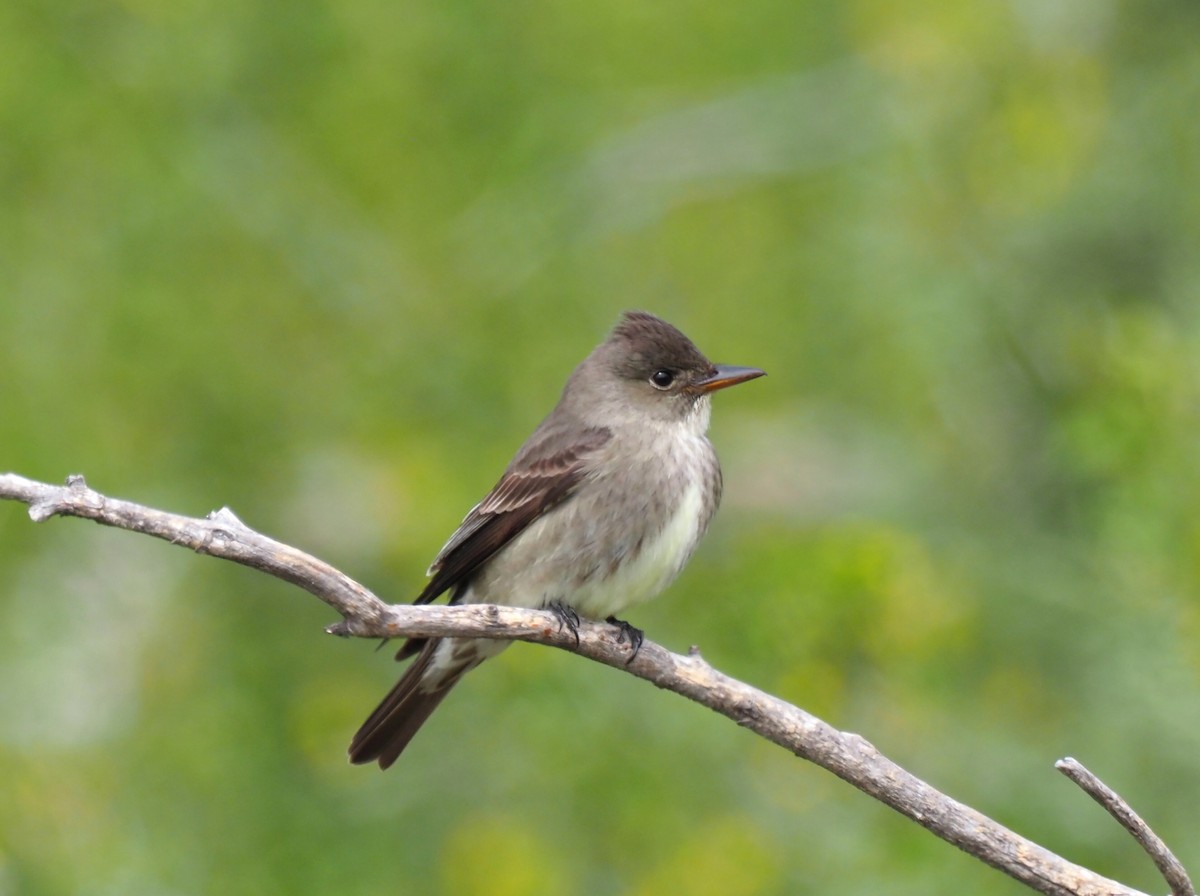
(387, 731)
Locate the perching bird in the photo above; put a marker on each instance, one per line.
(599, 510)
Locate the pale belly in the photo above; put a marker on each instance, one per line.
(651, 570)
(600, 554)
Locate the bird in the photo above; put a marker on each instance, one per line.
(599, 510)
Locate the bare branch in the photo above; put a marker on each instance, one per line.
(848, 756)
(220, 534)
(1169, 866)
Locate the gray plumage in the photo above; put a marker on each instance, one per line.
(600, 509)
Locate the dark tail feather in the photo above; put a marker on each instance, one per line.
(387, 731)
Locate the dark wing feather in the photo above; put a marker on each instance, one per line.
(543, 473)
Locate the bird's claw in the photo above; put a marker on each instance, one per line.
(635, 635)
(567, 618)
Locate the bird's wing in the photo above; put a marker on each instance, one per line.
(544, 473)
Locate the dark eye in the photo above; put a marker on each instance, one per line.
(662, 379)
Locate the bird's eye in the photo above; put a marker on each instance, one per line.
(662, 379)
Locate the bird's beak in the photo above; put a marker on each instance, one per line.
(724, 375)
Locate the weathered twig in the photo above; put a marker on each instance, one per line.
(1168, 866)
(848, 756)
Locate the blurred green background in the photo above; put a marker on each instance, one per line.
(329, 263)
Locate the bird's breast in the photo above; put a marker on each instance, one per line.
(655, 562)
(619, 539)
(666, 510)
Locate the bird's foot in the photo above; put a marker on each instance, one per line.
(567, 618)
(635, 635)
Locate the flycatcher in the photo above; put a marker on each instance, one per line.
(599, 510)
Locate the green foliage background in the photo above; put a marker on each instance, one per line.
(328, 263)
